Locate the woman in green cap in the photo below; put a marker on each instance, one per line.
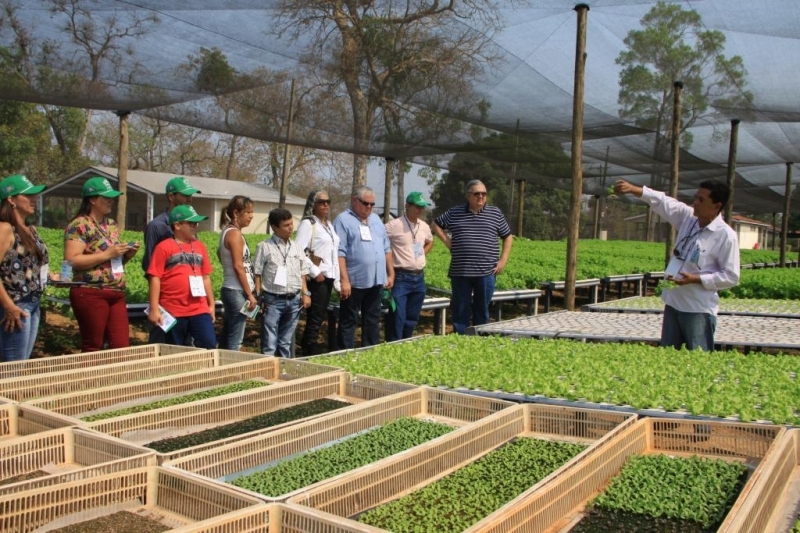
(92, 242)
(24, 268)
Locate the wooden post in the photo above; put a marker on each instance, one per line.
(674, 170)
(732, 148)
(774, 237)
(520, 208)
(122, 170)
(387, 190)
(787, 200)
(286, 150)
(577, 155)
(596, 229)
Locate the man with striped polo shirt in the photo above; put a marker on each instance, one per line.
(475, 257)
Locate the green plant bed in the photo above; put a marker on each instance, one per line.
(317, 465)
(467, 495)
(696, 490)
(211, 393)
(752, 387)
(266, 420)
(796, 528)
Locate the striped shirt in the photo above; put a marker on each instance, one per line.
(273, 253)
(474, 250)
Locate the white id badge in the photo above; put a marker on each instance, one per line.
(44, 274)
(281, 277)
(196, 286)
(674, 268)
(365, 234)
(117, 268)
(418, 251)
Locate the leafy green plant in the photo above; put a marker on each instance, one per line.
(313, 466)
(264, 421)
(464, 497)
(717, 383)
(796, 528)
(168, 402)
(695, 488)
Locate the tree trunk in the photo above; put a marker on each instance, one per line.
(231, 166)
(122, 171)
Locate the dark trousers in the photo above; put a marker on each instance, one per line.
(200, 327)
(368, 303)
(315, 314)
(102, 316)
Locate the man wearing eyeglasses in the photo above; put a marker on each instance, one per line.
(475, 256)
(365, 265)
(705, 259)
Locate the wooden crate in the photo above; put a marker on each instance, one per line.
(562, 501)
(82, 403)
(434, 404)
(55, 383)
(167, 422)
(172, 498)
(18, 420)
(391, 478)
(60, 363)
(773, 501)
(66, 454)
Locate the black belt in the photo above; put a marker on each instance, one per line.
(407, 271)
(288, 296)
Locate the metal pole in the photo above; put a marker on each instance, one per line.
(787, 200)
(577, 154)
(286, 150)
(732, 147)
(674, 171)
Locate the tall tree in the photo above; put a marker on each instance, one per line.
(387, 55)
(674, 45)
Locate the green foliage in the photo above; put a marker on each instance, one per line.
(266, 420)
(177, 400)
(644, 377)
(769, 283)
(464, 497)
(312, 466)
(693, 488)
(796, 528)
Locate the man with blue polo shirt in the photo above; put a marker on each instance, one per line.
(365, 264)
(475, 257)
(179, 192)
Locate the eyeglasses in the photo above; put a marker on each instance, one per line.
(323, 202)
(193, 224)
(365, 204)
(479, 194)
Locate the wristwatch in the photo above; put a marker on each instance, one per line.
(306, 293)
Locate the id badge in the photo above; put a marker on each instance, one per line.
(674, 268)
(117, 268)
(44, 275)
(196, 286)
(281, 277)
(418, 251)
(365, 234)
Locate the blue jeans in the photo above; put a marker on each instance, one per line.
(200, 327)
(471, 296)
(368, 303)
(17, 345)
(233, 322)
(408, 293)
(278, 324)
(696, 330)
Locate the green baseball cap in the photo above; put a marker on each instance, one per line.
(180, 185)
(18, 184)
(98, 186)
(184, 213)
(416, 198)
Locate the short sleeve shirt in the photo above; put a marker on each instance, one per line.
(173, 263)
(474, 250)
(97, 238)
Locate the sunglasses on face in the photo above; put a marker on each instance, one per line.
(478, 194)
(323, 202)
(366, 204)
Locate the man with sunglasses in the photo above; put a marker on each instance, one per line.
(365, 266)
(705, 259)
(475, 257)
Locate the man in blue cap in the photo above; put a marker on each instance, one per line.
(179, 192)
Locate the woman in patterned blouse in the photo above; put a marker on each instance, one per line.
(24, 268)
(92, 243)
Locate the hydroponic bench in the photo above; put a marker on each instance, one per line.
(619, 281)
(727, 306)
(592, 284)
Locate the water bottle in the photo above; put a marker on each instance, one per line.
(66, 270)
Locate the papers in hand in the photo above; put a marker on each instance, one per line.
(245, 310)
(167, 320)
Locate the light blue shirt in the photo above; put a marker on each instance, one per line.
(365, 259)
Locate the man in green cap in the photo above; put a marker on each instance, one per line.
(179, 192)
